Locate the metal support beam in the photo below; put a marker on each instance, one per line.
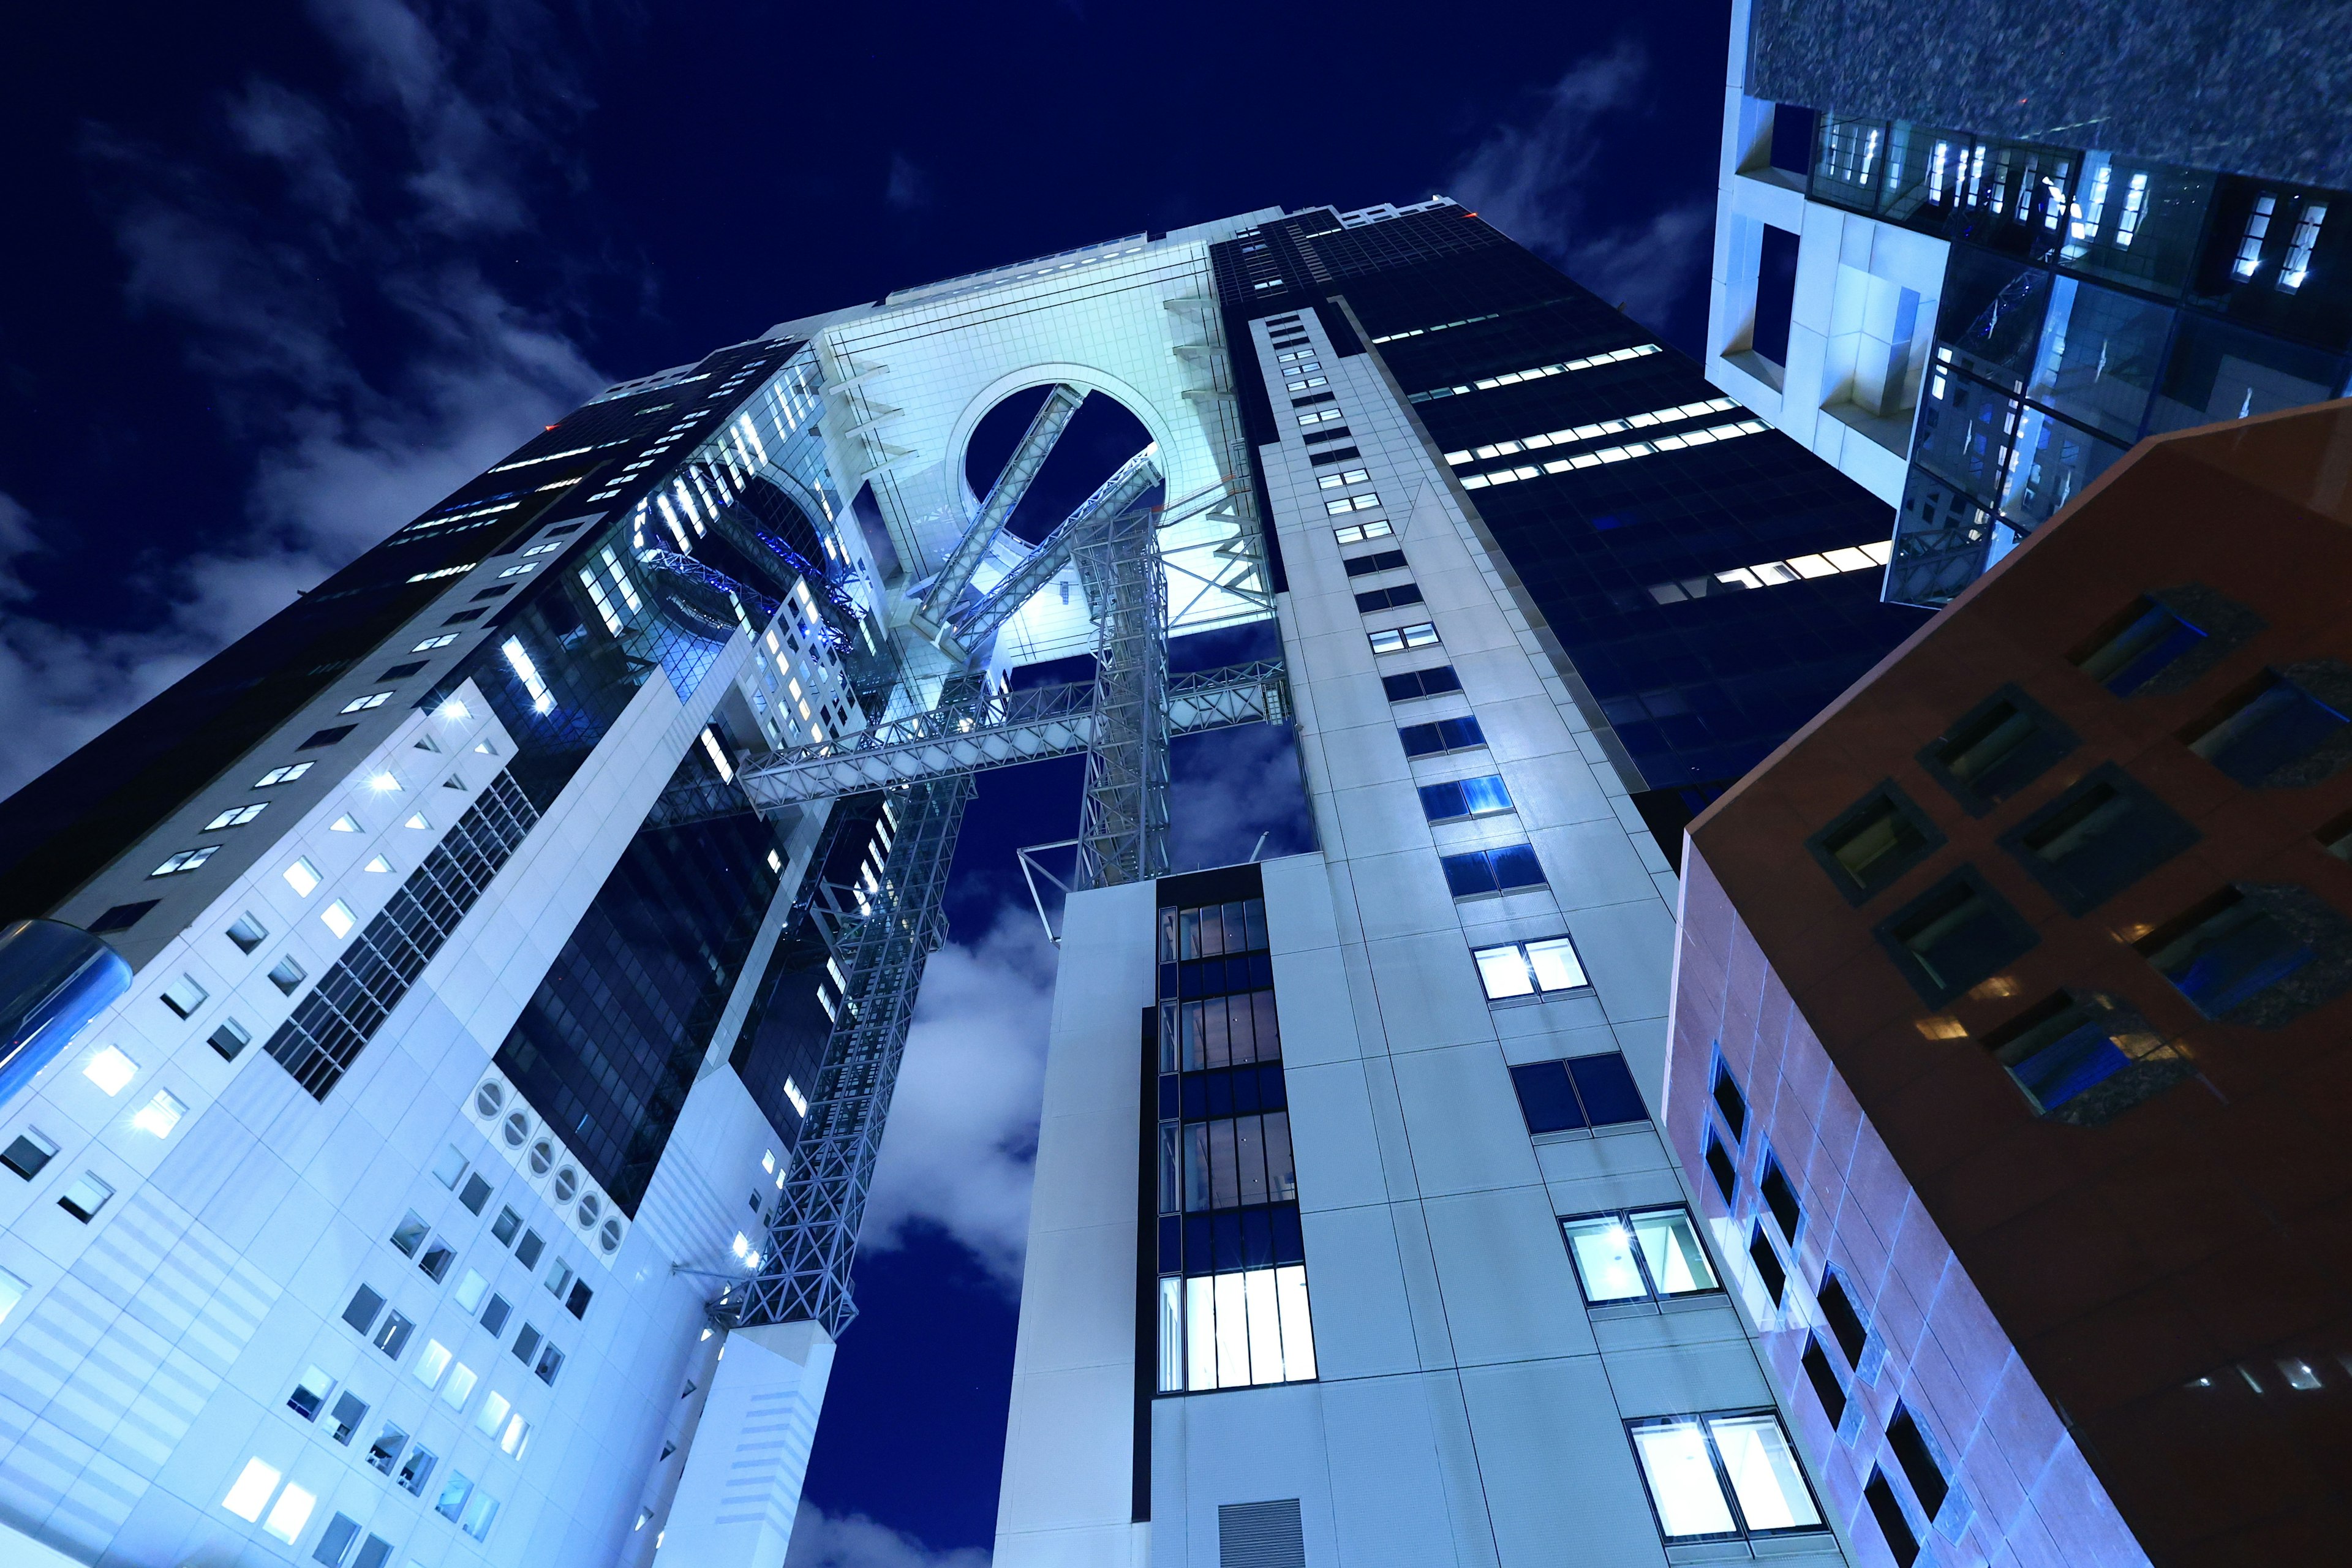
(996, 731)
(805, 1271)
(1123, 826)
(1117, 495)
(1019, 472)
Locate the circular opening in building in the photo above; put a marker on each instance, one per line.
(542, 1157)
(567, 1182)
(518, 1128)
(486, 1100)
(1096, 438)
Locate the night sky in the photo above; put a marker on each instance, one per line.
(280, 275)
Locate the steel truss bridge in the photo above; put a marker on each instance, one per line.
(1122, 721)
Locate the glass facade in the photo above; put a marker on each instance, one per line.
(1231, 1265)
(1626, 496)
(2090, 300)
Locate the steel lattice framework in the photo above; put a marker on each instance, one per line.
(1123, 829)
(805, 1272)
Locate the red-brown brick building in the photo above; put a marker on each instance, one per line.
(2012, 1038)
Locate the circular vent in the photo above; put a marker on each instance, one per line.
(609, 1238)
(543, 1156)
(517, 1129)
(567, 1182)
(488, 1098)
(590, 1208)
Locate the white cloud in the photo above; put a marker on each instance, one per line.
(821, 1540)
(262, 301)
(959, 1152)
(1229, 788)
(1533, 181)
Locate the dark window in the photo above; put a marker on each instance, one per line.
(1340, 456)
(1775, 294)
(2097, 838)
(1838, 1311)
(2136, 646)
(493, 592)
(1874, 842)
(1364, 565)
(577, 1302)
(1444, 735)
(326, 737)
(1768, 1264)
(27, 1152)
(350, 1411)
(1336, 433)
(477, 1193)
(2276, 732)
(494, 1313)
(365, 1305)
(462, 616)
(415, 1470)
(1311, 402)
(336, 1539)
(1955, 934)
(374, 1553)
(526, 1344)
(1781, 1197)
(1824, 1379)
(121, 916)
(1721, 1167)
(1731, 1102)
(1904, 1440)
(1479, 872)
(1900, 1541)
(551, 1361)
(1465, 797)
(391, 1336)
(1997, 748)
(1581, 1091)
(438, 1256)
(2230, 949)
(1421, 683)
(528, 1250)
(1389, 598)
(505, 1226)
(402, 671)
(229, 1039)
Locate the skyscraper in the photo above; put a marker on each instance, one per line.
(1971, 257)
(490, 974)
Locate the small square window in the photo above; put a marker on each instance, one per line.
(410, 1234)
(1873, 843)
(1721, 1167)
(2097, 838)
(229, 1039)
(1996, 748)
(528, 1250)
(326, 737)
(303, 877)
(1824, 1379)
(338, 918)
(437, 1257)
(121, 916)
(431, 1362)
(391, 1335)
(183, 995)
(1781, 1197)
(2084, 1059)
(365, 1305)
(551, 1361)
(1845, 1322)
(1528, 969)
(2242, 953)
(1954, 935)
(85, 1197)
(454, 1493)
(1901, 1543)
(248, 933)
(335, 1540)
(459, 1388)
(576, 1303)
(110, 1069)
(475, 1194)
(526, 1344)
(27, 1152)
(450, 1167)
(494, 1313)
(350, 1411)
(1909, 1446)
(2287, 729)
(1730, 1102)
(384, 1452)
(2163, 642)
(12, 1291)
(559, 1280)
(505, 1226)
(288, 975)
(309, 1396)
(415, 1471)
(1768, 1268)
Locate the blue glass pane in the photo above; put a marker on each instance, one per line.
(1200, 1258)
(1260, 973)
(1441, 802)
(1517, 866)
(2069, 1065)
(1227, 1229)
(1244, 1090)
(1459, 732)
(1272, 1094)
(2151, 642)
(1607, 1090)
(1196, 1098)
(1468, 874)
(1170, 1098)
(2282, 725)
(1484, 794)
(1544, 1098)
(1257, 1239)
(1219, 1086)
(1172, 1243)
(1421, 739)
(1289, 1245)
(2245, 960)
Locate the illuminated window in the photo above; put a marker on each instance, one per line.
(282, 776)
(1723, 1476)
(186, 860)
(2298, 251)
(237, 816)
(2250, 243)
(1529, 968)
(362, 704)
(1642, 1256)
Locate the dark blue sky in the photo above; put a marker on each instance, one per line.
(281, 274)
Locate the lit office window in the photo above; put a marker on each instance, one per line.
(1232, 1304)
(362, 704)
(1356, 532)
(1643, 1256)
(1342, 480)
(428, 645)
(1723, 1476)
(519, 660)
(2299, 249)
(186, 860)
(1396, 639)
(281, 775)
(1529, 968)
(1345, 504)
(237, 816)
(250, 1493)
(2250, 244)
(2134, 208)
